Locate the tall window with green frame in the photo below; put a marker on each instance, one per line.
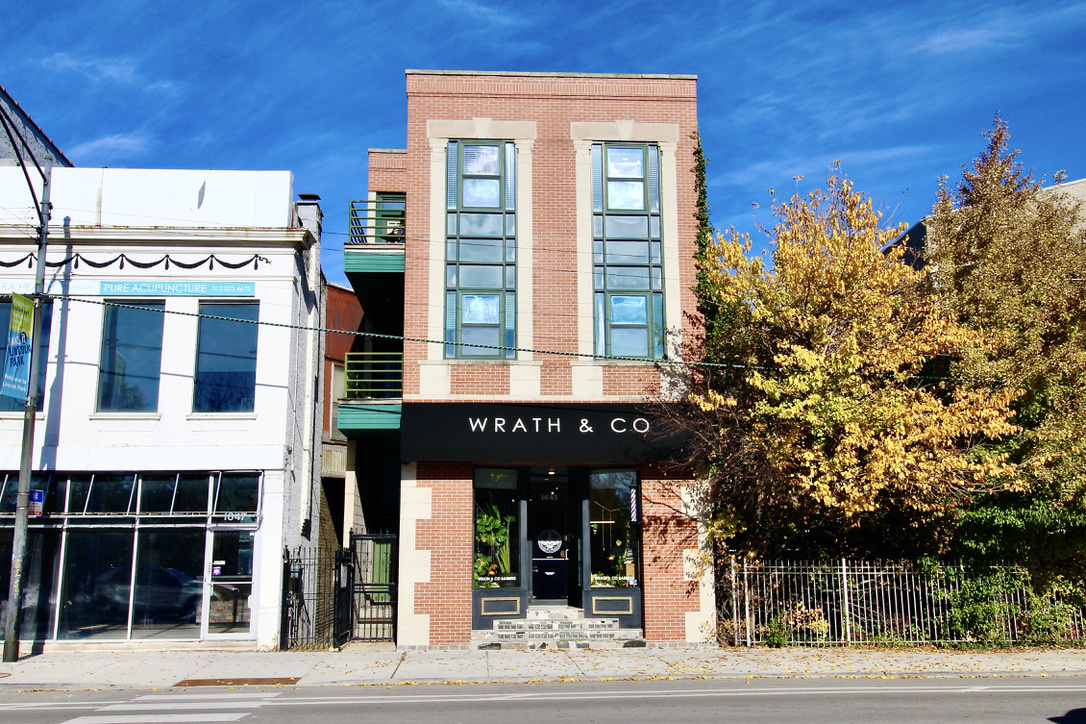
(480, 250)
(627, 258)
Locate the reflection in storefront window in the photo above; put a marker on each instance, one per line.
(169, 591)
(238, 493)
(191, 495)
(614, 525)
(497, 530)
(121, 554)
(97, 578)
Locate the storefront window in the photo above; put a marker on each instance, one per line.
(97, 578)
(120, 555)
(39, 595)
(156, 493)
(169, 588)
(191, 495)
(111, 494)
(614, 525)
(497, 529)
(238, 493)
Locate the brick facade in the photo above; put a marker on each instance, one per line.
(553, 272)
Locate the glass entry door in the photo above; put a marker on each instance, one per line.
(229, 577)
(551, 535)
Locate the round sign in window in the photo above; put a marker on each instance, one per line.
(549, 541)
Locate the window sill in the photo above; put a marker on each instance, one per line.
(125, 416)
(586, 362)
(221, 416)
(12, 415)
(484, 361)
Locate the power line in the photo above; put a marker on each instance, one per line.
(426, 340)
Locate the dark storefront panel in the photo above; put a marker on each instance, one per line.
(535, 432)
(97, 578)
(122, 555)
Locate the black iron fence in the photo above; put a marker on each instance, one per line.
(317, 598)
(375, 562)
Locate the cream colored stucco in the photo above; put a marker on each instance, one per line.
(697, 566)
(524, 379)
(412, 629)
(587, 375)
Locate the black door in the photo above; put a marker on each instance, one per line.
(550, 534)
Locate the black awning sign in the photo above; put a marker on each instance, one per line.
(540, 432)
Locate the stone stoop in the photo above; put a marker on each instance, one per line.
(560, 627)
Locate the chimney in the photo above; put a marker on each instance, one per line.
(309, 213)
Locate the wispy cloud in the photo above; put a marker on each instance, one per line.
(783, 169)
(499, 15)
(116, 146)
(123, 71)
(119, 70)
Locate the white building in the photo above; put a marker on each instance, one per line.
(178, 442)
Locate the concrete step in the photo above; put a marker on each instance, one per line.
(538, 624)
(541, 633)
(554, 612)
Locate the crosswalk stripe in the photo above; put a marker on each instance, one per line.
(165, 705)
(205, 697)
(157, 718)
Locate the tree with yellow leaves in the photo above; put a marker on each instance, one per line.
(818, 419)
(1009, 257)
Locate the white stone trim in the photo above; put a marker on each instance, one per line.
(587, 375)
(700, 624)
(435, 297)
(525, 379)
(439, 132)
(435, 376)
(412, 629)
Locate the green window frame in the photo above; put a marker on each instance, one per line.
(389, 217)
(480, 250)
(627, 251)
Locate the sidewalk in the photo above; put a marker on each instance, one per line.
(361, 664)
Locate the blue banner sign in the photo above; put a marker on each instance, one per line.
(177, 289)
(20, 342)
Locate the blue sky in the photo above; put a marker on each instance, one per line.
(900, 92)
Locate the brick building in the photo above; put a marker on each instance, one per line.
(533, 247)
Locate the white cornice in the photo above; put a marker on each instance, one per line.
(295, 238)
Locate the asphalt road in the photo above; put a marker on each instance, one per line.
(1027, 699)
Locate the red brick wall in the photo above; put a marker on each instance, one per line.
(668, 596)
(553, 102)
(479, 380)
(631, 380)
(448, 535)
(387, 171)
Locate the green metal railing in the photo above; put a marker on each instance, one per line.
(373, 375)
(377, 221)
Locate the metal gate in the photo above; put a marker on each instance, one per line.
(317, 598)
(375, 562)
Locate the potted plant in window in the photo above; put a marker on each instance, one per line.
(492, 550)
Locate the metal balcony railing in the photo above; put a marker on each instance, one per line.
(372, 375)
(377, 221)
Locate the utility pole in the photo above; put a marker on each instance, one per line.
(22, 500)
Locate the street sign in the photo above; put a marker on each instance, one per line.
(37, 499)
